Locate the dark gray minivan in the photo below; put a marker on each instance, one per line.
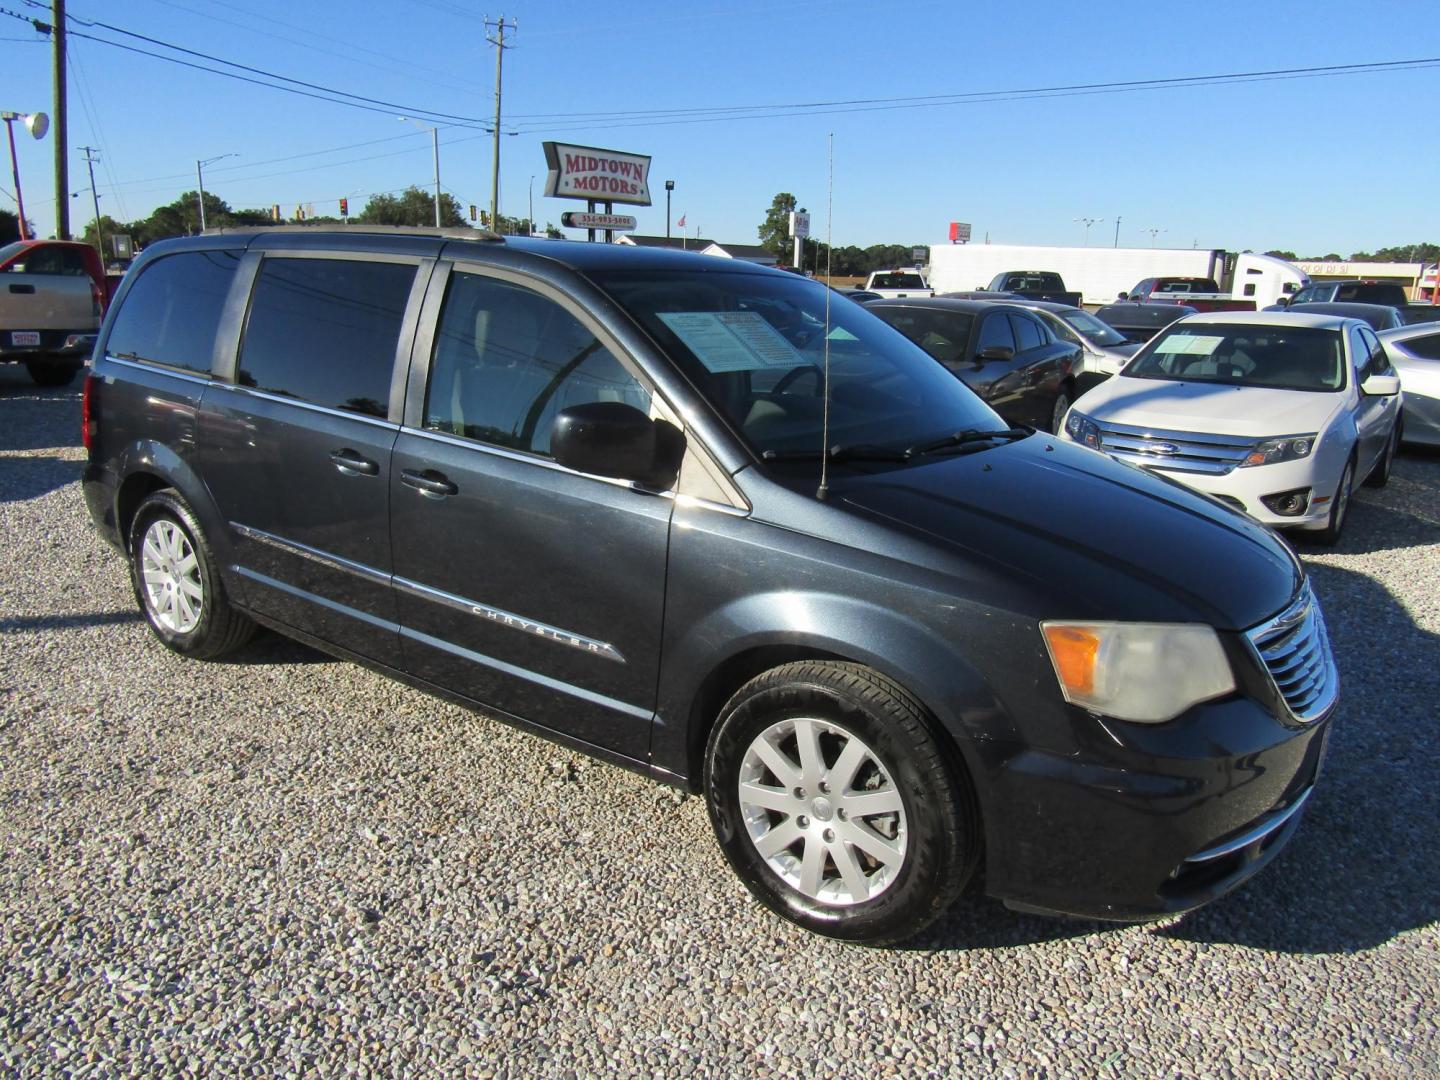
(582, 487)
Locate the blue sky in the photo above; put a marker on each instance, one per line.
(1307, 164)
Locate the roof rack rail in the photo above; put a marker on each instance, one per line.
(454, 232)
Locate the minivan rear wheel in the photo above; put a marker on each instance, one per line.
(836, 804)
(176, 582)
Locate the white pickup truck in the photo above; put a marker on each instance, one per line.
(899, 284)
(52, 295)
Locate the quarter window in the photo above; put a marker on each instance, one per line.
(172, 310)
(995, 330)
(1427, 345)
(325, 331)
(507, 360)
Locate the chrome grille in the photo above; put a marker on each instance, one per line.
(1180, 451)
(1295, 649)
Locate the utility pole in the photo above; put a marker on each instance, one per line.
(62, 136)
(90, 153)
(499, 42)
(1117, 231)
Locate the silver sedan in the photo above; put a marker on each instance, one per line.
(1415, 352)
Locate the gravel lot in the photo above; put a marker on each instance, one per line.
(288, 866)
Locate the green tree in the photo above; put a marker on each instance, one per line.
(108, 227)
(181, 218)
(774, 231)
(413, 206)
(1289, 256)
(10, 226)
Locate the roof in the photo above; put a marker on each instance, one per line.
(683, 243)
(575, 254)
(941, 303)
(1268, 318)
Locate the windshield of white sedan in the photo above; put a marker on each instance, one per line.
(1278, 357)
(755, 346)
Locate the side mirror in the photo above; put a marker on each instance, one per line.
(1282, 301)
(995, 352)
(1381, 386)
(1123, 296)
(610, 438)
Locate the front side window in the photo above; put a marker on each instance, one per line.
(1028, 333)
(1279, 357)
(507, 360)
(172, 311)
(325, 331)
(731, 333)
(995, 330)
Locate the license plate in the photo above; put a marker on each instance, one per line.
(24, 337)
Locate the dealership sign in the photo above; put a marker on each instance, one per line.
(587, 172)
(572, 219)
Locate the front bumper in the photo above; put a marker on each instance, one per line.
(1246, 489)
(1150, 820)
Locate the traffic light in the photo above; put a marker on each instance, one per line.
(275, 212)
(485, 218)
(472, 211)
(344, 207)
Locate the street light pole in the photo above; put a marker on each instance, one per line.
(669, 187)
(530, 231)
(10, 119)
(1087, 222)
(435, 140)
(37, 124)
(200, 182)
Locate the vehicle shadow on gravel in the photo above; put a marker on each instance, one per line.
(1364, 866)
(269, 648)
(31, 477)
(22, 624)
(35, 419)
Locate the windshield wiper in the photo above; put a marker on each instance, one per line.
(841, 452)
(964, 438)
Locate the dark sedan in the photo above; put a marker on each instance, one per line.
(1005, 353)
(1379, 316)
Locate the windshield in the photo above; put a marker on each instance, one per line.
(9, 251)
(1092, 329)
(754, 345)
(1279, 357)
(897, 281)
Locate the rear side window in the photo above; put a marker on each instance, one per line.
(995, 330)
(325, 331)
(171, 312)
(1427, 346)
(507, 360)
(1027, 332)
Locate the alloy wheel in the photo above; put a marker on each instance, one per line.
(173, 590)
(823, 811)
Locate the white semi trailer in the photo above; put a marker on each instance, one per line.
(1101, 274)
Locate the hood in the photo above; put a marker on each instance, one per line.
(1096, 539)
(1211, 408)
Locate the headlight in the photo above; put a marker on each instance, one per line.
(1286, 448)
(1082, 429)
(1146, 672)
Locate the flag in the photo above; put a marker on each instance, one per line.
(681, 222)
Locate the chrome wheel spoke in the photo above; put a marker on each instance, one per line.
(850, 871)
(191, 588)
(868, 803)
(807, 742)
(155, 579)
(767, 797)
(872, 843)
(778, 838)
(812, 867)
(847, 764)
(783, 768)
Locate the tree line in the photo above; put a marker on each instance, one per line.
(413, 206)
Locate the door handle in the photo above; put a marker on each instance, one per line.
(24, 290)
(430, 483)
(352, 464)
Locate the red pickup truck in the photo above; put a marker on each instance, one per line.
(1202, 294)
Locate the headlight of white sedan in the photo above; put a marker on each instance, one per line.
(1145, 672)
(1285, 448)
(1082, 429)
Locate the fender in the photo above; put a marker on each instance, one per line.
(783, 625)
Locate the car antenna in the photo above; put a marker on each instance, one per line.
(823, 491)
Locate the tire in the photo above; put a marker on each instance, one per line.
(1339, 507)
(1057, 414)
(49, 373)
(877, 855)
(177, 583)
(1380, 474)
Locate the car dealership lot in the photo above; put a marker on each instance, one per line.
(285, 862)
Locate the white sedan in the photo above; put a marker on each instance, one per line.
(1415, 352)
(1276, 414)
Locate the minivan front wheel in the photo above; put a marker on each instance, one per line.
(836, 805)
(176, 582)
